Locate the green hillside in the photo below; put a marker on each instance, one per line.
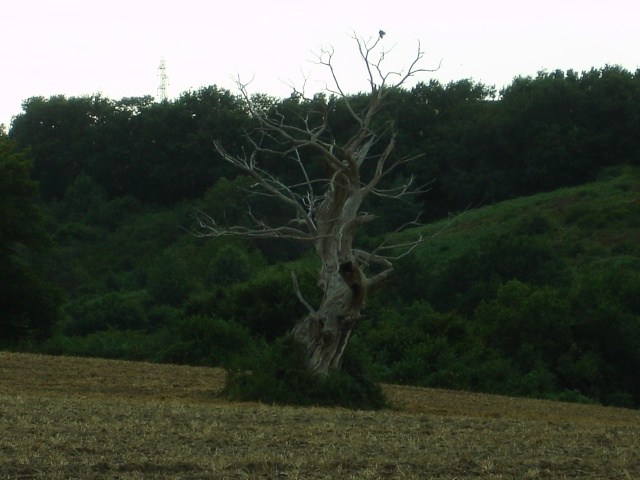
(535, 296)
(548, 238)
(531, 291)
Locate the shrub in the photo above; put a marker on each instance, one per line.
(415, 345)
(430, 363)
(475, 275)
(207, 340)
(535, 224)
(110, 343)
(526, 323)
(276, 375)
(112, 310)
(169, 281)
(160, 316)
(29, 306)
(266, 304)
(229, 265)
(572, 396)
(607, 331)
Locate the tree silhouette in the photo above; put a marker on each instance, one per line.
(326, 202)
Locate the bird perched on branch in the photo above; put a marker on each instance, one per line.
(382, 33)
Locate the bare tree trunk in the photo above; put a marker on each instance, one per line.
(326, 332)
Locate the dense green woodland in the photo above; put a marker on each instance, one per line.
(530, 286)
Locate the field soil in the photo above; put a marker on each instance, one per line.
(77, 418)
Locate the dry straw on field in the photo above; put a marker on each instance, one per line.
(65, 418)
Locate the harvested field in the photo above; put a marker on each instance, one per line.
(68, 418)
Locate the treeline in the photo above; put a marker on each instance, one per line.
(532, 298)
(479, 146)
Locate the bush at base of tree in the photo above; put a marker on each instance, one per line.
(275, 376)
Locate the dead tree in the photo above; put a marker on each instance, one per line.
(327, 211)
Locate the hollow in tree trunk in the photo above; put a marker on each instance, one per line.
(326, 332)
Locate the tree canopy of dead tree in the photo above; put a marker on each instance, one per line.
(326, 210)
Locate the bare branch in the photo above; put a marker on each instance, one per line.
(209, 228)
(365, 51)
(378, 81)
(296, 288)
(298, 91)
(401, 191)
(268, 182)
(366, 259)
(407, 246)
(325, 58)
(326, 202)
(410, 246)
(380, 280)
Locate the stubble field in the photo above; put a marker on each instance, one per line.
(71, 418)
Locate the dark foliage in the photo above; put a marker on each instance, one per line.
(209, 341)
(539, 301)
(275, 376)
(29, 305)
(156, 152)
(539, 134)
(266, 303)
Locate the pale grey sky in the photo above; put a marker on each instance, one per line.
(82, 47)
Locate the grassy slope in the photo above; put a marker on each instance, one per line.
(66, 417)
(585, 223)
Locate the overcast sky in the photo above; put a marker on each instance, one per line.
(82, 47)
